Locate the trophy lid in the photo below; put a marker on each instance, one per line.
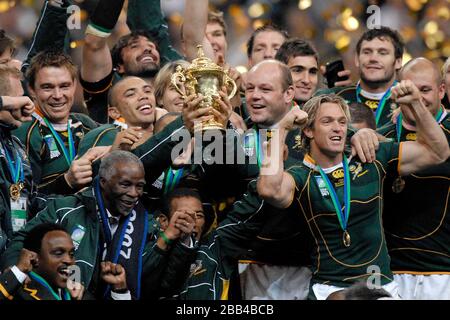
(203, 63)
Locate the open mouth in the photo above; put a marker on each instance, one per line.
(336, 138)
(257, 106)
(64, 272)
(146, 58)
(56, 105)
(145, 109)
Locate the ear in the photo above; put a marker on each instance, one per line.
(32, 92)
(102, 182)
(441, 90)
(398, 63)
(356, 60)
(308, 132)
(114, 113)
(121, 69)
(35, 262)
(289, 95)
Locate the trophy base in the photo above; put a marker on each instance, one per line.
(210, 125)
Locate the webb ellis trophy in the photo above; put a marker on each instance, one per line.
(204, 77)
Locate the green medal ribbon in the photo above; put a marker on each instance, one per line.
(398, 125)
(341, 214)
(39, 279)
(381, 103)
(173, 177)
(17, 171)
(69, 155)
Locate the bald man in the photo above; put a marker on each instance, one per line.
(416, 219)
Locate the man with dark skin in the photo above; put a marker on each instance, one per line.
(48, 261)
(100, 219)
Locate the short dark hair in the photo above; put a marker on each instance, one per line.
(176, 194)
(6, 42)
(33, 240)
(116, 51)
(266, 27)
(296, 47)
(360, 291)
(383, 33)
(50, 58)
(360, 112)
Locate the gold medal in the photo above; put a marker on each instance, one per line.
(398, 185)
(14, 191)
(346, 239)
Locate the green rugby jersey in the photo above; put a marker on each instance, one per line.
(332, 262)
(48, 162)
(349, 94)
(416, 220)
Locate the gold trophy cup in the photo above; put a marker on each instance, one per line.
(204, 77)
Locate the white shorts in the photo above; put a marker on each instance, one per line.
(268, 282)
(322, 291)
(423, 287)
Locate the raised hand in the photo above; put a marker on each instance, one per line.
(294, 119)
(114, 275)
(125, 139)
(80, 171)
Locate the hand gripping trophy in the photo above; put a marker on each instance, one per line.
(204, 77)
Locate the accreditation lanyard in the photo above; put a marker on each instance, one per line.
(70, 154)
(342, 214)
(104, 215)
(398, 126)
(172, 178)
(15, 166)
(39, 279)
(381, 103)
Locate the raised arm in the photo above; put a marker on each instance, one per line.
(431, 146)
(51, 29)
(97, 61)
(147, 15)
(274, 184)
(195, 20)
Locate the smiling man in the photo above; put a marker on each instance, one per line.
(132, 100)
(416, 206)
(378, 57)
(342, 208)
(107, 222)
(303, 61)
(51, 139)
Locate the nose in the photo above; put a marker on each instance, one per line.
(57, 93)
(305, 77)
(255, 95)
(269, 53)
(68, 259)
(134, 192)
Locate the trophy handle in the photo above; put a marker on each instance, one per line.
(178, 75)
(229, 81)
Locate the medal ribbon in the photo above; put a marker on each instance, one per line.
(173, 177)
(69, 155)
(38, 278)
(398, 126)
(381, 103)
(17, 171)
(341, 214)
